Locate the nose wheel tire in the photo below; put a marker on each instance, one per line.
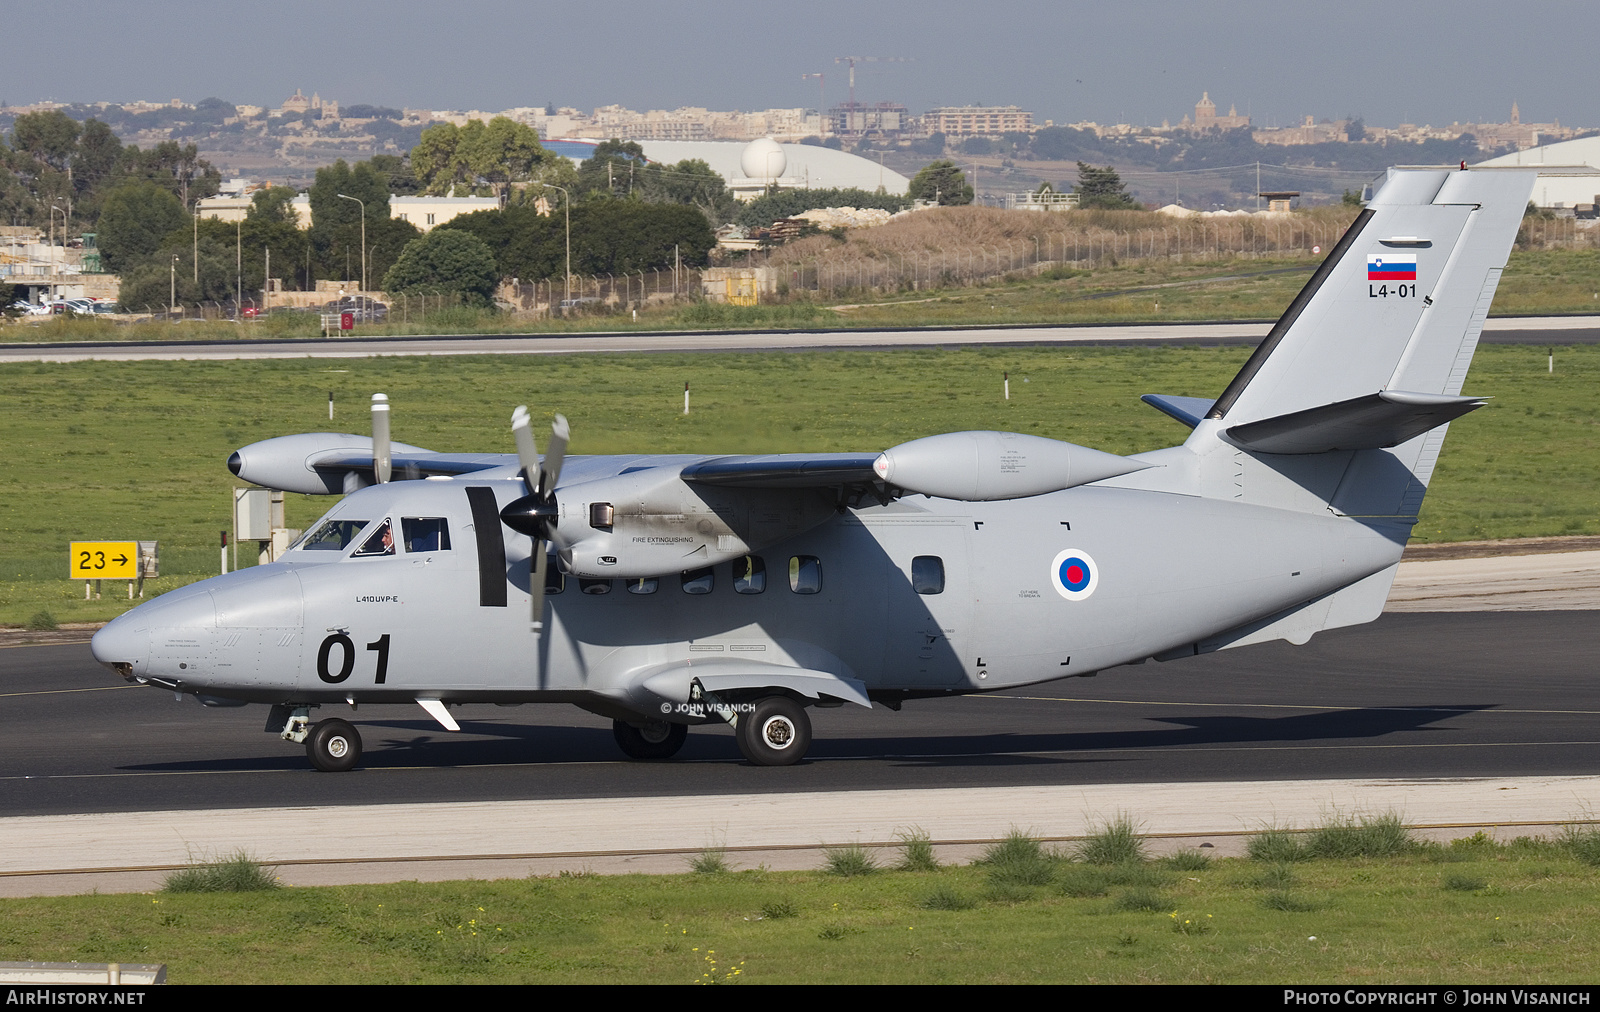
(333, 746)
(656, 740)
(776, 732)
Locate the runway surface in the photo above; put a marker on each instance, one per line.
(1486, 694)
(1541, 330)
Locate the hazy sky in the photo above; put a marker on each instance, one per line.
(1388, 61)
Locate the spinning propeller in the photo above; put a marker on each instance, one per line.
(536, 514)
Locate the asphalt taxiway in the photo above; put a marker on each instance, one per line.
(1530, 330)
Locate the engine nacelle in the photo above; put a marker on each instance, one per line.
(653, 523)
(286, 462)
(981, 466)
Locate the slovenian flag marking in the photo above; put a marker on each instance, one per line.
(1391, 267)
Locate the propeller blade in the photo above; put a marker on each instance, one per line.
(550, 471)
(381, 464)
(536, 570)
(527, 452)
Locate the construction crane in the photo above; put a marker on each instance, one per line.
(853, 60)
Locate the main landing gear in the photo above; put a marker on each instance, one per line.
(658, 739)
(776, 732)
(333, 745)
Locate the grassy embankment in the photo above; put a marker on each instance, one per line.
(1229, 288)
(1373, 908)
(104, 450)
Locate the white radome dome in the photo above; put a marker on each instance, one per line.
(763, 159)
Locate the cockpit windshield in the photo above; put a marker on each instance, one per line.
(379, 542)
(331, 536)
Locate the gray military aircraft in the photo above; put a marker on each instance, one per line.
(665, 591)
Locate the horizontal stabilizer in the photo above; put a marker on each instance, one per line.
(1188, 410)
(1386, 418)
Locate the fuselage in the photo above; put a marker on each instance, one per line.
(920, 596)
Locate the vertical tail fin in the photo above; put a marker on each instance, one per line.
(1365, 368)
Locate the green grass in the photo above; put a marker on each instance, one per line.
(113, 450)
(850, 861)
(239, 873)
(1117, 841)
(916, 851)
(1375, 920)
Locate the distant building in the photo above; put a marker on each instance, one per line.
(1205, 115)
(427, 212)
(977, 121)
(424, 212)
(857, 119)
(1569, 171)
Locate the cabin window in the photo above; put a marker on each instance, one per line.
(425, 534)
(927, 574)
(555, 581)
(379, 542)
(698, 581)
(750, 575)
(644, 585)
(332, 536)
(805, 574)
(595, 587)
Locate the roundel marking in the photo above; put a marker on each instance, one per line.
(1074, 574)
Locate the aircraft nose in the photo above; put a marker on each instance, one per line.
(123, 645)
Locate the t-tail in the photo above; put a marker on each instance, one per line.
(1344, 406)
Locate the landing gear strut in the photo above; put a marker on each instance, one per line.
(656, 740)
(333, 746)
(776, 733)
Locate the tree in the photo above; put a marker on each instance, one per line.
(402, 181)
(942, 181)
(1102, 189)
(691, 182)
(611, 170)
(49, 137)
(134, 221)
(273, 204)
(449, 159)
(179, 168)
(445, 260)
(607, 235)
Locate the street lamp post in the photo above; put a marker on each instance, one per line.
(363, 238)
(172, 298)
(567, 209)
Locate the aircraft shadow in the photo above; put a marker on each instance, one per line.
(420, 743)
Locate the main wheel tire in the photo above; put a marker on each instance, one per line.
(776, 732)
(333, 746)
(658, 739)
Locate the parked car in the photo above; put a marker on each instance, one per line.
(366, 310)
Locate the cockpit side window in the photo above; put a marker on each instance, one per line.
(380, 542)
(331, 536)
(425, 534)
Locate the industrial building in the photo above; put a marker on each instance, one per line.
(750, 169)
(1569, 171)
